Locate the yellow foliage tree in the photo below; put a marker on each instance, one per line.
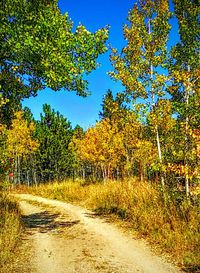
(116, 145)
(102, 146)
(20, 142)
(3, 130)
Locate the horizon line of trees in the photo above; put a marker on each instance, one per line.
(118, 146)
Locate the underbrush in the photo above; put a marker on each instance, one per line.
(10, 230)
(173, 223)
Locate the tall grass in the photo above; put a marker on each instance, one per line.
(10, 230)
(172, 224)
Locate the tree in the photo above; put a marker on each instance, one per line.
(184, 72)
(113, 106)
(4, 163)
(39, 49)
(19, 142)
(102, 147)
(77, 165)
(3, 157)
(131, 131)
(138, 65)
(53, 158)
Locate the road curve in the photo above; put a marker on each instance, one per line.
(64, 238)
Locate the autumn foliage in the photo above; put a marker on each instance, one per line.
(141, 159)
(150, 130)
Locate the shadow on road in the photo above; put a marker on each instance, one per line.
(46, 221)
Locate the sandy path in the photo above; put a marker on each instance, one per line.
(63, 238)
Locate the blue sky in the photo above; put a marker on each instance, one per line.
(93, 15)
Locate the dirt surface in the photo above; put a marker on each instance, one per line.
(63, 238)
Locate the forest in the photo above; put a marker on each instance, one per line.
(150, 132)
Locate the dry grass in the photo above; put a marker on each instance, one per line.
(10, 230)
(173, 224)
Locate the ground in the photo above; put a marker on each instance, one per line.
(63, 238)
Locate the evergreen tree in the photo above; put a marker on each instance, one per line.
(78, 168)
(111, 105)
(54, 133)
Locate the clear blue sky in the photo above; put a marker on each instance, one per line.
(93, 15)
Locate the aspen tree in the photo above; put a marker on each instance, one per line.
(137, 67)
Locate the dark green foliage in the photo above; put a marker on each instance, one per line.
(186, 52)
(113, 105)
(53, 158)
(78, 132)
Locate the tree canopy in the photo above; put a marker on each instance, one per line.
(39, 49)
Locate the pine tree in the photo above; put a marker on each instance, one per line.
(54, 134)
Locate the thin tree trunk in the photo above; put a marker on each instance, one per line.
(83, 173)
(141, 172)
(15, 171)
(117, 173)
(27, 177)
(160, 156)
(34, 177)
(18, 170)
(187, 189)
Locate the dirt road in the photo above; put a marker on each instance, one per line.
(63, 238)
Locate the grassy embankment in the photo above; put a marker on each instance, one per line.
(173, 225)
(10, 230)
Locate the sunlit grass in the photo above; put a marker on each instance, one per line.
(10, 230)
(173, 224)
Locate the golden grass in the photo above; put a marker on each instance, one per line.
(173, 224)
(10, 230)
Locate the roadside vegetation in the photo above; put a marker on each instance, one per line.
(150, 130)
(10, 230)
(172, 225)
